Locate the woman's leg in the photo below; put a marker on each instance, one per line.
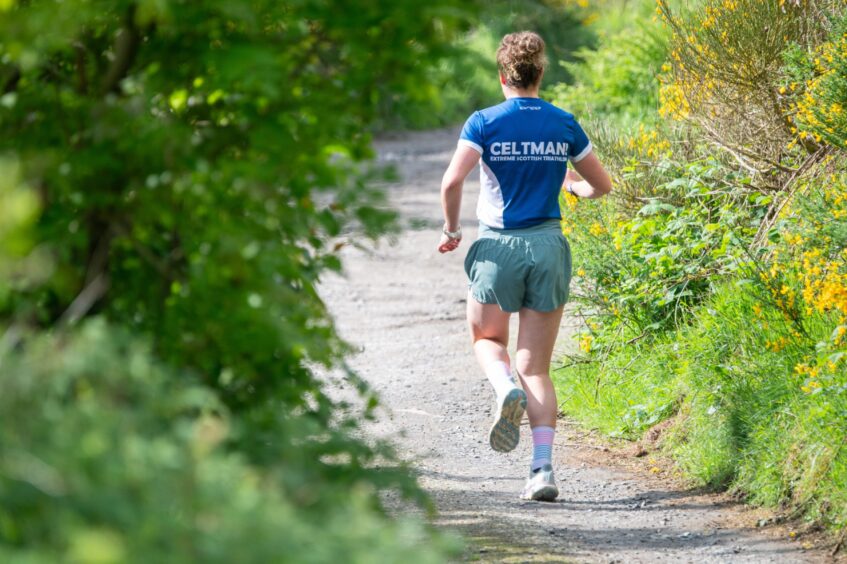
(537, 332)
(489, 326)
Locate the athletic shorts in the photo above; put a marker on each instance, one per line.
(518, 268)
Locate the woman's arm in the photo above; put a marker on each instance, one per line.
(464, 160)
(588, 178)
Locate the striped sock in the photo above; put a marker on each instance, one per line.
(542, 447)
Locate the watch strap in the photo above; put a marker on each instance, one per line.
(457, 234)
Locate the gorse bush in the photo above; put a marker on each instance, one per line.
(713, 281)
(648, 268)
(725, 63)
(816, 87)
(807, 278)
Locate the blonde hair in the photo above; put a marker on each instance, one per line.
(521, 59)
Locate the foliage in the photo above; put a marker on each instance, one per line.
(187, 171)
(122, 461)
(741, 418)
(616, 83)
(467, 80)
(807, 278)
(647, 269)
(193, 201)
(713, 282)
(18, 212)
(816, 87)
(207, 198)
(726, 57)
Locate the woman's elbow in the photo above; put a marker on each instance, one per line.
(450, 185)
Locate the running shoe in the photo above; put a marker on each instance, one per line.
(541, 485)
(506, 431)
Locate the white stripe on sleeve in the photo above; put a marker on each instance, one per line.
(471, 144)
(582, 154)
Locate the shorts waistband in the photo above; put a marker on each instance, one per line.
(550, 226)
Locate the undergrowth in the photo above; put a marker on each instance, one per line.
(713, 281)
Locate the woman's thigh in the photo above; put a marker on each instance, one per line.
(488, 321)
(537, 332)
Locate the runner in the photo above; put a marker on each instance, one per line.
(521, 262)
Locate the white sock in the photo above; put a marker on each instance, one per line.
(500, 376)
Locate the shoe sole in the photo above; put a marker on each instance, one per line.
(506, 431)
(547, 493)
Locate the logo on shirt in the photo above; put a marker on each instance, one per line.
(528, 151)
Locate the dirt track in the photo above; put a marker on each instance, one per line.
(403, 304)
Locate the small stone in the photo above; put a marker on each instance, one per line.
(638, 451)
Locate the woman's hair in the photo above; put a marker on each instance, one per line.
(521, 59)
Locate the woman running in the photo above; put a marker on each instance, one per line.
(521, 262)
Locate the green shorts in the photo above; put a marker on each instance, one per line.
(518, 268)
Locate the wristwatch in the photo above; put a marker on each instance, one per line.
(457, 234)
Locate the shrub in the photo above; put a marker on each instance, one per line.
(714, 285)
(742, 418)
(467, 80)
(726, 57)
(194, 169)
(648, 263)
(816, 87)
(119, 460)
(617, 82)
(191, 189)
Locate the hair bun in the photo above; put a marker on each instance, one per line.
(521, 58)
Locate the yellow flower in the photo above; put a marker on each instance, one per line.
(596, 229)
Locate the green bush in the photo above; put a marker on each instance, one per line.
(713, 281)
(196, 175)
(648, 264)
(193, 187)
(467, 80)
(186, 172)
(107, 456)
(741, 418)
(618, 81)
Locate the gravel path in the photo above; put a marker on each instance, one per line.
(403, 304)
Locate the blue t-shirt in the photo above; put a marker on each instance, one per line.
(525, 145)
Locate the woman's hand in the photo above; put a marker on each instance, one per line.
(589, 179)
(448, 244)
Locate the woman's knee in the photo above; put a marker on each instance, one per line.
(529, 364)
(481, 336)
(487, 321)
